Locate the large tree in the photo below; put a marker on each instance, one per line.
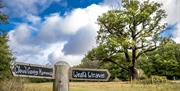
(5, 54)
(132, 30)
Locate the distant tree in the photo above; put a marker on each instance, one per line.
(132, 31)
(164, 61)
(87, 63)
(5, 53)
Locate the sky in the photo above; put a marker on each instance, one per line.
(47, 31)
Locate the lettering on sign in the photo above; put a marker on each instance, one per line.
(31, 70)
(89, 74)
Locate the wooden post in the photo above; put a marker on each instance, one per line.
(61, 76)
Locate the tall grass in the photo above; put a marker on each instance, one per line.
(106, 86)
(14, 84)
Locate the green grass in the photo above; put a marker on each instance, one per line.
(106, 86)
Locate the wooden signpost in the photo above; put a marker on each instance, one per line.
(61, 72)
(61, 76)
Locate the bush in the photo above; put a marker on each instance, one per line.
(158, 79)
(151, 80)
(39, 80)
(141, 74)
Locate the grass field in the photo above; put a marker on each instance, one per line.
(105, 86)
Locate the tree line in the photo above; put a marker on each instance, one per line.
(164, 61)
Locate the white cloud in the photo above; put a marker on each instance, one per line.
(57, 28)
(177, 34)
(79, 18)
(50, 30)
(21, 33)
(55, 54)
(73, 21)
(57, 37)
(82, 41)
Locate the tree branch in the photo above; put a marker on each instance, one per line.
(127, 56)
(151, 48)
(110, 60)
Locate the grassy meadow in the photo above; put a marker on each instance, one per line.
(105, 86)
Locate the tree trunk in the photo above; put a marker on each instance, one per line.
(134, 73)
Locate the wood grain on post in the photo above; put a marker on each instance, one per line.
(61, 76)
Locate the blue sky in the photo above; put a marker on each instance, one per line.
(47, 31)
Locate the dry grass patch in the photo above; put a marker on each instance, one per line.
(106, 86)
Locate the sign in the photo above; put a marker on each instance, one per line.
(32, 70)
(89, 74)
(61, 73)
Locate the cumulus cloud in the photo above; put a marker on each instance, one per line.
(75, 20)
(56, 27)
(50, 31)
(21, 33)
(53, 38)
(58, 55)
(82, 41)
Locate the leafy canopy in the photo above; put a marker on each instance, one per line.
(136, 26)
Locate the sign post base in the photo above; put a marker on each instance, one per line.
(61, 76)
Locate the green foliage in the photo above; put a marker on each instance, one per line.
(87, 63)
(132, 25)
(5, 53)
(164, 61)
(116, 71)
